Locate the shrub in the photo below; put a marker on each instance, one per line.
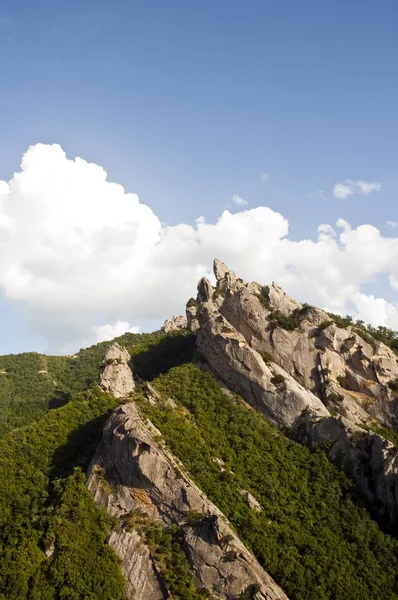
(278, 380)
(325, 325)
(266, 356)
(333, 397)
(341, 380)
(264, 301)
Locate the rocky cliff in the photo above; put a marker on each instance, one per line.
(140, 483)
(304, 373)
(117, 377)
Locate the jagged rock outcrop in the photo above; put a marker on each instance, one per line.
(264, 384)
(350, 365)
(174, 324)
(303, 372)
(117, 377)
(133, 472)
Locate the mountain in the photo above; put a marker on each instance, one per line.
(245, 451)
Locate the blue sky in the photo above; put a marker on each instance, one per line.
(186, 104)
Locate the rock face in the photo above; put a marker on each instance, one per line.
(292, 363)
(253, 503)
(132, 473)
(117, 377)
(174, 324)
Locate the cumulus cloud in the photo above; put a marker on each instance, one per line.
(107, 332)
(349, 187)
(239, 201)
(392, 224)
(77, 250)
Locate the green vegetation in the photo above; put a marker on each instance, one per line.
(31, 383)
(367, 332)
(278, 380)
(170, 560)
(266, 356)
(44, 505)
(311, 537)
(157, 352)
(386, 432)
(289, 322)
(264, 301)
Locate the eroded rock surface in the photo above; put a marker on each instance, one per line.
(174, 324)
(133, 472)
(303, 372)
(117, 377)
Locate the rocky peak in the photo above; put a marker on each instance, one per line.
(303, 372)
(205, 290)
(279, 300)
(116, 377)
(220, 269)
(174, 324)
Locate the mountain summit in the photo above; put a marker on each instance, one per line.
(245, 452)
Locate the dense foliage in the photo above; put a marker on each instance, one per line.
(31, 383)
(44, 505)
(157, 352)
(311, 536)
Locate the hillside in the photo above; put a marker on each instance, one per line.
(255, 464)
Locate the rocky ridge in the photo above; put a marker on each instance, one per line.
(304, 373)
(134, 476)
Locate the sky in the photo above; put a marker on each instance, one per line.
(139, 140)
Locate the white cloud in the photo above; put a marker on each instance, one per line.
(77, 250)
(264, 176)
(349, 187)
(239, 201)
(107, 332)
(392, 224)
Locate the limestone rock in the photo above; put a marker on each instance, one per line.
(131, 472)
(362, 371)
(251, 501)
(294, 364)
(116, 377)
(174, 324)
(192, 321)
(269, 388)
(142, 580)
(279, 300)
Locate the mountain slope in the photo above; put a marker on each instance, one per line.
(312, 536)
(227, 491)
(325, 384)
(52, 537)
